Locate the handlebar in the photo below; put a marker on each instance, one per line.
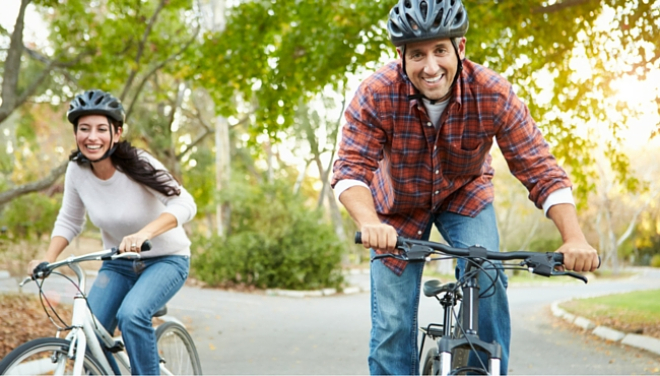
(44, 269)
(419, 251)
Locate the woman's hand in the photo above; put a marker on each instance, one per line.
(33, 264)
(133, 242)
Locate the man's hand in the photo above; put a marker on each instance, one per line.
(379, 236)
(579, 256)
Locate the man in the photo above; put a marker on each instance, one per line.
(415, 152)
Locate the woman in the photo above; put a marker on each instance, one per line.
(130, 197)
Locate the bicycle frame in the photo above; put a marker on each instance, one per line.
(544, 264)
(86, 330)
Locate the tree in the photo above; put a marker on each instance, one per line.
(119, 48)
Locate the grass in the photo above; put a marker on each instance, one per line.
(634, 312)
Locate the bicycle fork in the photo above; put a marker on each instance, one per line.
(469, 327)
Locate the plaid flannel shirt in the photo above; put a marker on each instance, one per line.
(415, 169)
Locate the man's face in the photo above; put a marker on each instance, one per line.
(431, 66)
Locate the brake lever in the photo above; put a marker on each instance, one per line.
(24, 281)
(419, 253)
(572, 274)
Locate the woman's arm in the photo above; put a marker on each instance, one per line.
(163, 223)
(56, 246)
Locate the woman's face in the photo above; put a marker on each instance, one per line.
(93, 136)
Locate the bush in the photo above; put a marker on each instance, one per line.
(655, 261)
(274, 241)
(31, 216)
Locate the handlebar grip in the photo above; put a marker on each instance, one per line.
(358, 239)
(559, 257)
(146, 246)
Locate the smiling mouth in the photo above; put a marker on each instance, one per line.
(433, 80)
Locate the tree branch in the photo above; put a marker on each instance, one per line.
(155, 69)
(38, 185)
(12, 65)
(141, 45)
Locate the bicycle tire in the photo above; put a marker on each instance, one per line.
(177, 350)
(427, 365)
(41, 357)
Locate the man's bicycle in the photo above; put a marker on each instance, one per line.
(81, 352)
(458, 334)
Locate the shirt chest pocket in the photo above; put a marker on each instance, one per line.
(464, 158)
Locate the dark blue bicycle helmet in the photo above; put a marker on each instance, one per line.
(96, 102)
(420, 20)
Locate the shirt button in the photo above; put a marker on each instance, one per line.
(436, 192)
(435, 147)
(437, 172)
(429, 124)
(419, 233)
(419, 107)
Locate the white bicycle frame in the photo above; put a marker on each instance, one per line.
(86, 329)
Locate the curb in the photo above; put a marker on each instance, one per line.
(348, 290)
(315, 293)
(635, 340)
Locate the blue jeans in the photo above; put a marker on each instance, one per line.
(395, 299)
(126, 293)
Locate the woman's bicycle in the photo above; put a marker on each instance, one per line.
(458, 334)
(81, 352)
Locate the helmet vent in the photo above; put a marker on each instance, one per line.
(449, 18)
(459, 16)
(98, 100)
(90, 94)
(412, 22)
(114, 104)
(407, 4)
(424, 8)
(438, 18)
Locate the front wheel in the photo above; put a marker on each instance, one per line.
(43, 356)
(177, 351)
(427, 366)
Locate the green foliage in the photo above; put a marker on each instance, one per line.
(274, 241)
(31, 216)
(655, 261)
(199, 180)
(545, 244)
(279, 53)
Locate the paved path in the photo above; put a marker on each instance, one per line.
(238, 333)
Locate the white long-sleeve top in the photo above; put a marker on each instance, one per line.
(120, 206)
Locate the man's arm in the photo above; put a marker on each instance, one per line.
(578, 254)
(360, 205)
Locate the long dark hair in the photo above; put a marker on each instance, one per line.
(126, 159)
